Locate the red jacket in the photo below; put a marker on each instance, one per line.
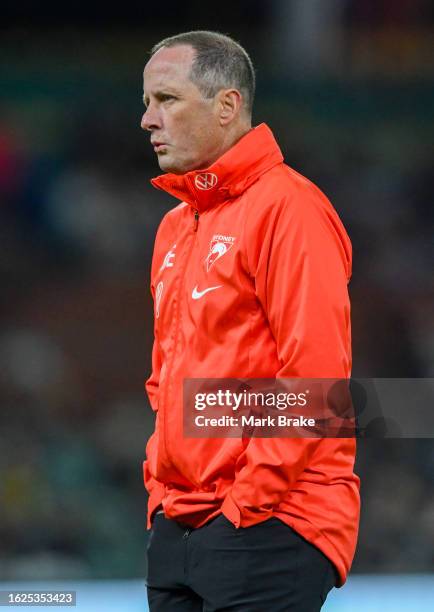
(279, 307)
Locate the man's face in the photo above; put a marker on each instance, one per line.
(184, 126)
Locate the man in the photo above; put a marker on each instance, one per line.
(249, 279)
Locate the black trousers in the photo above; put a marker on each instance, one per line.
(264, 568)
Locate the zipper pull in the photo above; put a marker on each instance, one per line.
(186, 534)
(196, 220)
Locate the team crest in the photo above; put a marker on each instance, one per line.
(218, 247)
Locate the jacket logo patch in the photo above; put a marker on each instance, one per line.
(205, 181)
(219, 245)
(158, 295)
(196, 294)
(169, 259)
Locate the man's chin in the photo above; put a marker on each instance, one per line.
(169, 165)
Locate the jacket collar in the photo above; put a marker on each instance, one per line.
(254, 154)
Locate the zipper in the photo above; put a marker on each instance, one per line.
(185, 537)
(196, 220)
(186, 533)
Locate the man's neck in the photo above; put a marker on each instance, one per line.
(230, 139)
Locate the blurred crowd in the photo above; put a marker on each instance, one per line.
(78, 218)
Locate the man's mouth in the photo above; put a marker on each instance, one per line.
(159, 146)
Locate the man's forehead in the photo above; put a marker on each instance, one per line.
(170, 61)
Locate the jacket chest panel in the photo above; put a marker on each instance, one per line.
(201, 275)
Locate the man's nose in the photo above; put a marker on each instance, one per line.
(150, 120)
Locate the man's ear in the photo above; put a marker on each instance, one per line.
(230, 101)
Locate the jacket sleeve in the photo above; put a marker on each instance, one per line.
(300, 259)
(152, 384)
(154, 488)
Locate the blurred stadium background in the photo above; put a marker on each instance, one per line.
(348, 88)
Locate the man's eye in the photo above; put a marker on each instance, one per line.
(167, 97)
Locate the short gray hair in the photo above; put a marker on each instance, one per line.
(219, 63)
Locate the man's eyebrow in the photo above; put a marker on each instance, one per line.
(166, 91)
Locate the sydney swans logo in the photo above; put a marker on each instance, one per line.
(219, 245)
